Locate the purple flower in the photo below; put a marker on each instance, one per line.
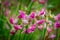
(56, 24)
(17, 27)
(42, 12)
(21, 14)
(40, 21)
(32, 15)
(11, 20)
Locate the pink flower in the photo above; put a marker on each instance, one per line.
(11, 20)
(42, 1)
(25, 21)
(17, 27)
(32, 27)
(33, 0)
(27, 31)
(32, 15)
(40, 21)
(6, 12)
(42, 12)
(12, 31)
(56, 24)
(57, 17)
(52, 36)
(49, 30)
(6, 3)
(40, 27)
(21, 14)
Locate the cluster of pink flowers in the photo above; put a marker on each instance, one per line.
(27, 20)
(57, 21)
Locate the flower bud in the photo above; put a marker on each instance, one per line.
(11, 20)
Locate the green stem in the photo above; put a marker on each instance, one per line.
(57, 34)
(29, 7)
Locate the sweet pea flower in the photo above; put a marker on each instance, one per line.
(32, 15)
(32, 27)
(40, 27)
(28, 31)
(17, 27)
(33, 0)
(56, 24)
(42, 1)
(6, 3)
(24, 21)
(57, 17)
(49, 30)
(6, 12)
(40, 21)
(11, 20)
(12, 31)
(42, 12)
(21, 14)
(52, 36)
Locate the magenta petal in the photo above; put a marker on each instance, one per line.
(17, 27)
(32, 15)
(57, 25)
(27, 31)
(40, 21)
(12, 32)
(11, 20)
(42, 12)
(21, 14)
